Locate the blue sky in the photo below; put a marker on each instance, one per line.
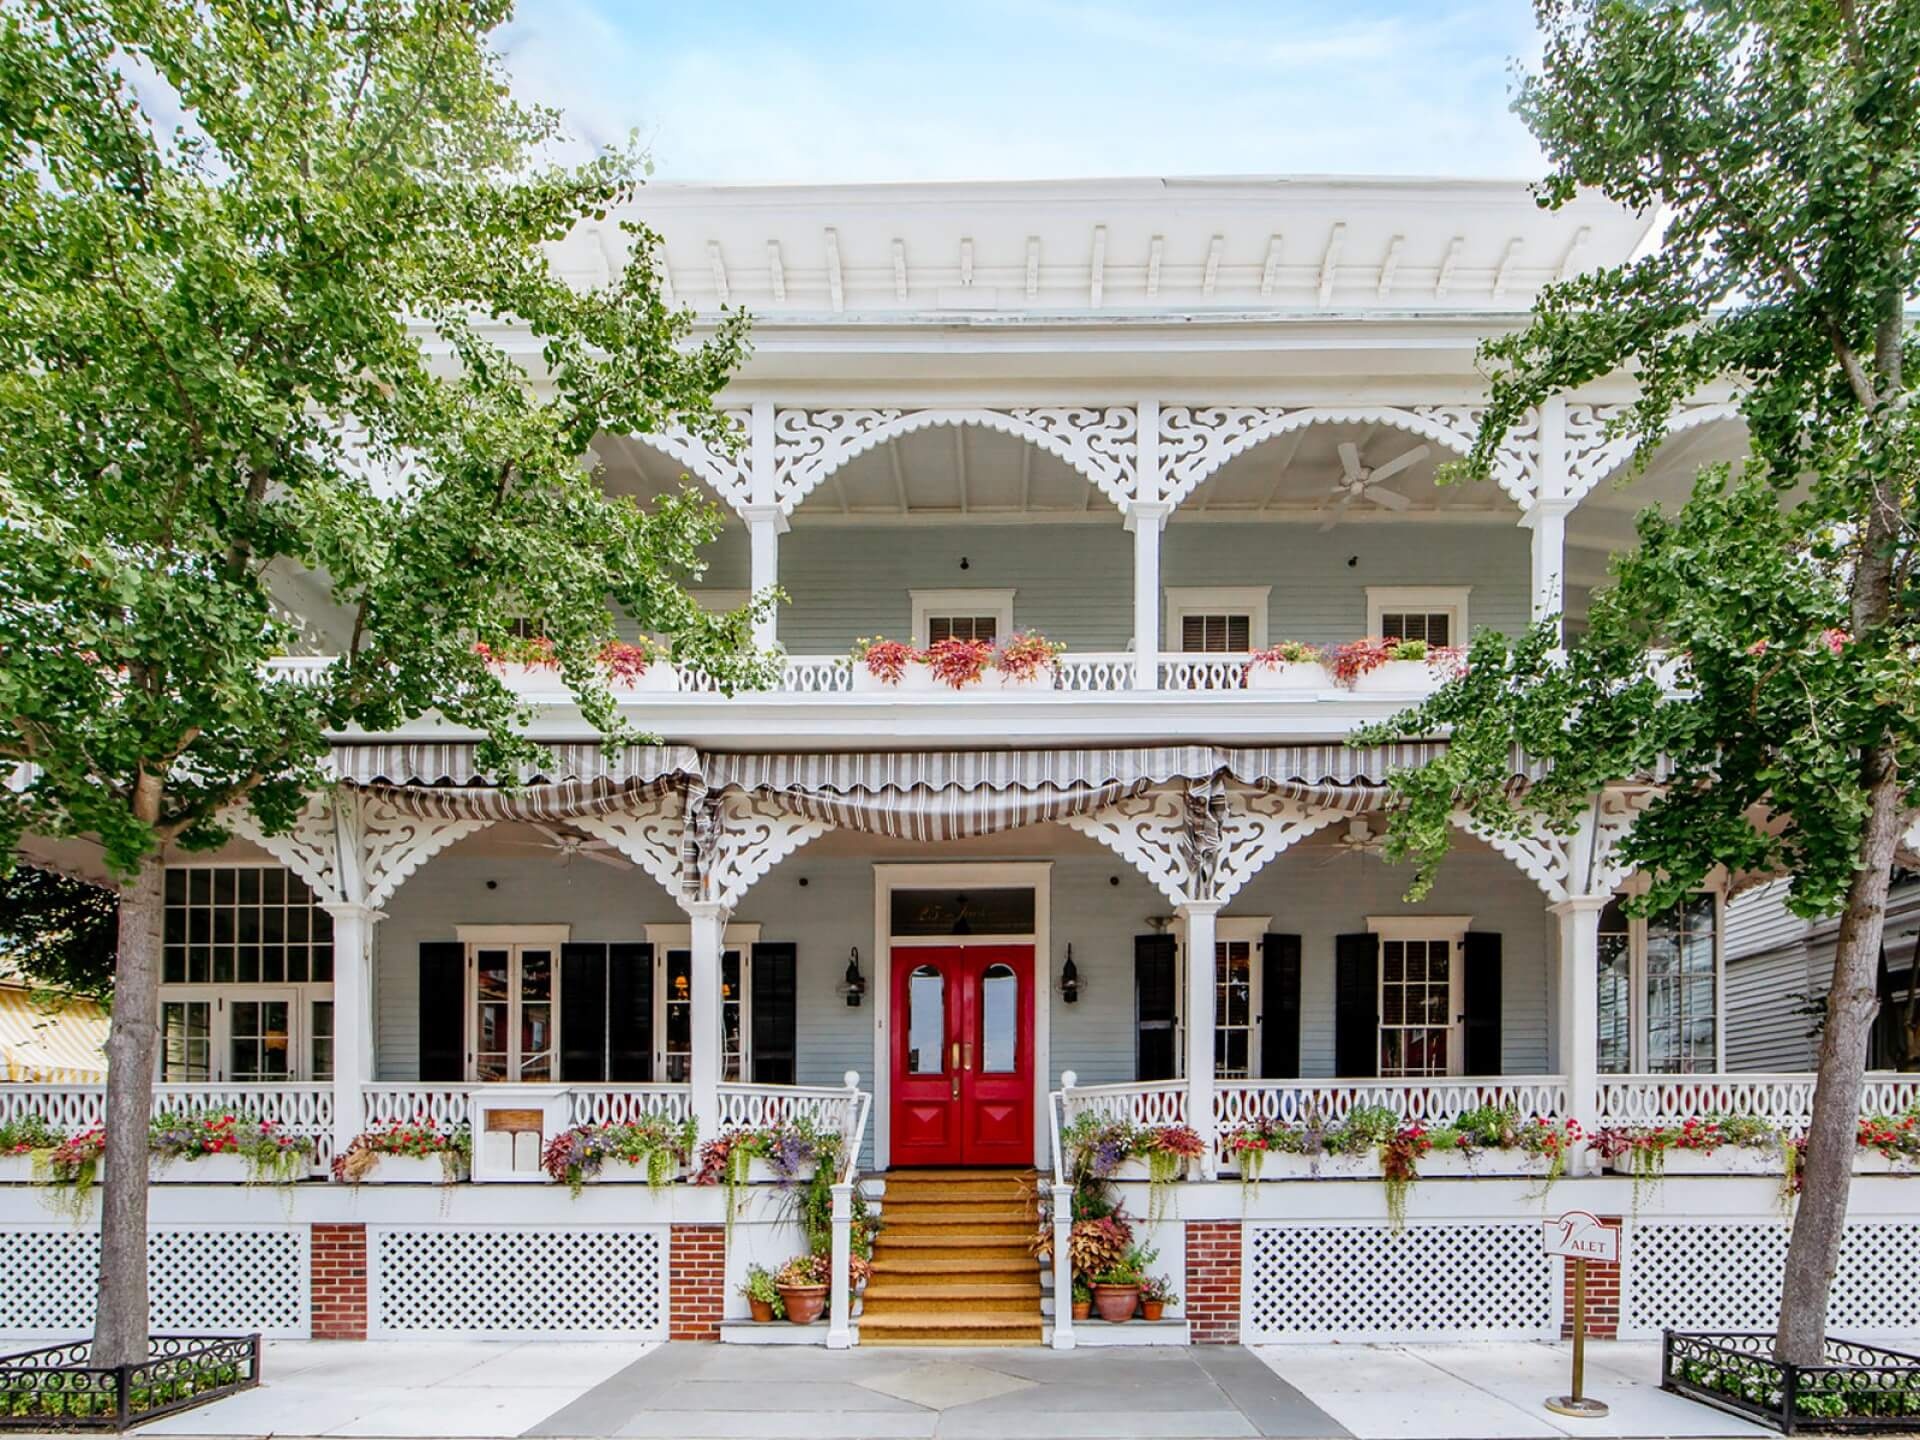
(1035, 88)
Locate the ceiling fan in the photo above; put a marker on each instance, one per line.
(568, 846)
(1357, 482)
(1359, 839)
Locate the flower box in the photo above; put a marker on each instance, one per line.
(1872, 1162)
(916, 679)
(1285, 1165)
(198, 1170)
(411, 1170)
(1136, 1169)
(18, 1169)
(1297, 676)
(1857, 1389)
(760, 1172)
(1721, 1160)
(1397, 677)
(1041, 682)
(620, 1172)
(659, 678)
(1486, 1162)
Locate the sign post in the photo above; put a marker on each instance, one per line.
(1579, 1236)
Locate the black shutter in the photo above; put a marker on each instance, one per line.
(1155, 1003)
(583, 1012)
(1280, 1008)
(775, 992)
(1480, 992)
(443, 1010)
(630, 1014)
(1356, 1006)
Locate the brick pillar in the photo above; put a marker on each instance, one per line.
(697, 1296)
(339, 1282)
(1603, 1295)
(1213, 1281)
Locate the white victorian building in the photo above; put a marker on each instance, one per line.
(1166, 423)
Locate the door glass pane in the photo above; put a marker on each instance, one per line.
(320, 1043)
(1416, 1006)
(1000, 1024)
(926, 1021)
(258, 1041)
(1232, 1008)
(679, 1042)
(186, 1041)
(730, 1047)
(1681, 1018)
(1616, 992)
(536, 1042)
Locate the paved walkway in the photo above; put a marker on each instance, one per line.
(460, 1391)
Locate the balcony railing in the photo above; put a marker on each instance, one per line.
(303, 1108)
(1423, 1101)
(1784, 1100)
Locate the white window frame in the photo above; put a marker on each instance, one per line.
(1451, 929)
(929, 603)
(513, 938)
(1638, 995)
(219, 1024)
(1252, 929)
(1382, 599)
(1249, 600)
(736, 939)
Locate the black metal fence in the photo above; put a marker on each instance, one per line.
(1860, 1389)
(57, 1388)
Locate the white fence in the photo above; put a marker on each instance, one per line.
(1424, 1102)
(304, 1108)
(1783, 1100)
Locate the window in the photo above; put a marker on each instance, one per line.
(926, 1021)
(1000, 1024)
(673, 1001)
(1420, 992)
(1435, 614)
(246, 967)
(961, 615)
(1659, 998)
(1233, 1009)
(514, 989)
(1218, 619)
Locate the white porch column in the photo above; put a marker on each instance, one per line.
(765, 525)
(709, 934)
(1146, 519)
(1579, 920)
(1547, 516)
(1199, 916)
(1062, 1218)
(839, 1330)
(352, 1017)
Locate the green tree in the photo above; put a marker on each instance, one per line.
(1782, 140)
(235, 234)
(58, 931)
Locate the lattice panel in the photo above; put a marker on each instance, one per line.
(203, 1281)
(1706, 1276)
(1474, 1281)
(608, 1283)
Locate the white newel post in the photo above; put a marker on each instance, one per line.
(839, 1330)
(1146, 519)
(352, 1017)
(1580, 1004)
(1062, 1266)
(1199, 915)
(765, 525)
(709, 932)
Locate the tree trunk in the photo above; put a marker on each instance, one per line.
(1819, 1223)
(120, 1323)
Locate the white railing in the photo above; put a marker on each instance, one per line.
(839, 1276)
(1093, 673)
(801, 675)
(295, 1108)
(1154, 1102)
(1423, 1101)
(1785, 1100)
(627, 1104)
(825, 1107)
(444, 1107)
(299, 669)
(1180, 671)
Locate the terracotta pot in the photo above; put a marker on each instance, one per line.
(1152, 1309)
(804, 1302)
(762, 1309)
(1116, 1303)
(1082, 1309)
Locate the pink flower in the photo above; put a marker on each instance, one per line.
(1834, 639)
(1758, 648)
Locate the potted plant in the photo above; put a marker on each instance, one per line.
(880, 664)
(1026, 661)
(1494, 1140)
(1397, 667)
(1082, 1298)
(532, 665)
(1155, 1295)
(406, 1153)
(638, 667)
(802, 1283)
(1290, 665)
(71, 1169)
(1883, 1145)
(652, 1149)
(957, 664)
(24, 1142)
(220, 1147)
(763, 1295)
(1116, 1289)
(1161, 1155)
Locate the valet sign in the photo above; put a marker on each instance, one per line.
(1579, 1235)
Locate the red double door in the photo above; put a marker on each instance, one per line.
(962, 1055)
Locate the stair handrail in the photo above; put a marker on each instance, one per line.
(839, 1277)
(1061, 1206)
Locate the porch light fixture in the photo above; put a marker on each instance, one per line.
(854, 987)
(1069, 979)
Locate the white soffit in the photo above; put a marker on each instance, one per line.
(1118, 249)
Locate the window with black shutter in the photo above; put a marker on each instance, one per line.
(1155, 1005)
(1356, 1002)
(1480, 1002)
(774, 1002)
(442, 1013)
(1280, 1007)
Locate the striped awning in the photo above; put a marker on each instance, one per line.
(446, 781)
(57, 1043)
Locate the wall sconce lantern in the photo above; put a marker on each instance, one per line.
(1069, 979)
(854, 987)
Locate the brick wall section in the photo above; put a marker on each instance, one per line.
(1213, 1281)
(698, 1294)
(1603, 1295)
(339, 1282)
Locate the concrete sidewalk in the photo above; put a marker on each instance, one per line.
(439, 1391)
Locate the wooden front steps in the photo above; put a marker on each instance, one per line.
(951, 1265)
